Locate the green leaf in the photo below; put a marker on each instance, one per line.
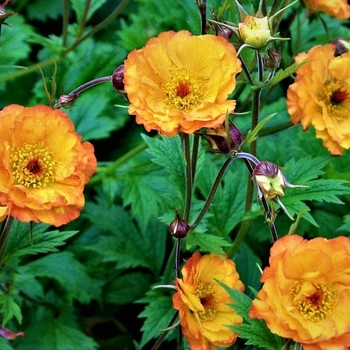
(167, 152)
(9, 308)
(14, 46)
(158, 314)
(52, 332)
(20, 244)
(247, 264)
(306, 171)
(79, 8)
(229, 200)
(253, 330)
(281, 74)
(5, 344)
(123, 243)
(206, 242)
(67, 271)
(346, 226)
(127, 288)
(253, 134)
(90, 118)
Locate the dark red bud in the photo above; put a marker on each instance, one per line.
(266, 169)
(179, 228)
(118, 79)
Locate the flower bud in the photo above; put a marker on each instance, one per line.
(118, 79)
(254, 31)
(66, 101)
(221, 142)
(273, 59)
(179, 228)
(341, 46)
(270, 179)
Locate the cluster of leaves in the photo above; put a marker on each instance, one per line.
(88, 285)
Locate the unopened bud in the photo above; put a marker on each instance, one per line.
(221, 142)
(271, 180)
(254, 31)
(179, 228)
(118, 79)
(341, 46)
(66, 101)
(273, 59)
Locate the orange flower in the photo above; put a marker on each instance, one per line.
(180, 83)
(339, 9)
(43, 165)
(306, 292)
(202, 302)
(320, 96)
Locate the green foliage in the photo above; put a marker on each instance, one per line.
(254, 330)
(25, 240)
(158, 313)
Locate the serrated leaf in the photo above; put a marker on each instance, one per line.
(167, 153)
(253, 330)
(66, 270)
(229, 199)
(158, 314)
(127, 288)
(20, 244)
(206, 242)
(52, 333)
(9, 308)
(306, 171)
(123, 243)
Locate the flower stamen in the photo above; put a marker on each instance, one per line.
(204, 291)
(314, 301)
(182, 90)
(32, 166)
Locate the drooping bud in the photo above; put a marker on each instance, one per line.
(223, 142)
(271, 180)
(341, 46)
(179, 228)
(3, 14)
(255, 31)
(66, 101)
(118, 79)
(10, 335)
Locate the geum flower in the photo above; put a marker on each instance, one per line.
(202, 302)
(43, 165)
(180, 83)
(306, 292)
(339, 9)
(320, 96)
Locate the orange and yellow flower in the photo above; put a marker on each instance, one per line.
(339, 9)
(202, 302)
(43, 165)
(320, 96)
(306, 292)
(180, 83)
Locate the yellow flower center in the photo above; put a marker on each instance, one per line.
(32, 166)
(204, 291)
(314, 301)
(336, 96)
(183, 90)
